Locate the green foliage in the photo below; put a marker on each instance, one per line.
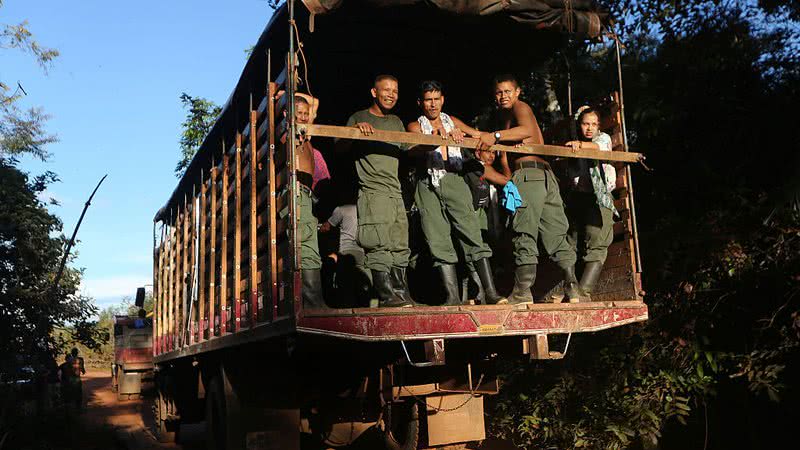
(22, 132)
(30, 251)
(31, 243)
(709, 102)
(200, 117)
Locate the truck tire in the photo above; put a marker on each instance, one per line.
(221, 432)
(401, 421)
(215, 416)
(166, 431)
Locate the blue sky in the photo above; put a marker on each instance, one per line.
(113, 97)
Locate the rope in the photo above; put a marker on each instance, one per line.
(293, 23)
(568, 16)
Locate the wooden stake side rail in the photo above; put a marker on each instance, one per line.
(416, 139)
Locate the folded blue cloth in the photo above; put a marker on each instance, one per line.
(511, 197)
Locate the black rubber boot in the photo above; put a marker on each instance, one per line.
(487, 281)
(572, 289)
(400, 284)
(382, 283)
(524, 276)
(312, 289)
(591, 272)
(450, 282)
(480, 297)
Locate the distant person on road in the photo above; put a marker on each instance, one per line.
(71, 384)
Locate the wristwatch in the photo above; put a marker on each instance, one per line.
(496, 136)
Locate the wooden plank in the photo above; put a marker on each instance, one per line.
(253, 222)
(427, 140)
(201, 293)
(178, 280)
(237, 239)
(168, 299)
(195, 296)
(212, 257)
(187, 220)
(223, 274)
(273, 88)
(159, 303)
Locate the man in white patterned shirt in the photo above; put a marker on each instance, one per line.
(445, 200)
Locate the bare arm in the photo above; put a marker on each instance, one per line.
(472, 132)
(417, 150)
(578, 145)
(506, 170)
(491, 175)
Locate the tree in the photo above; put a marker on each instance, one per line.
(22, 132)
(708, 101)
(31, 245)
(200, 117)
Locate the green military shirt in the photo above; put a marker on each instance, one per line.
(377, 162)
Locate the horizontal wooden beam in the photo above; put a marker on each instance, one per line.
(416, 139)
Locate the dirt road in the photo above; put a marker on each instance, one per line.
(111, 424)
(126, 425)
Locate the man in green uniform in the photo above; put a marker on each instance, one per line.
(445, 201)
(310, 261)
(541, 216)
(382, 221)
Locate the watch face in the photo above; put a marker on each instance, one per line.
(497, 135)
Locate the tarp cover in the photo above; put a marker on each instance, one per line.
(578, 16)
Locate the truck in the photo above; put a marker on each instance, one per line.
(133, 352)
(233, 344)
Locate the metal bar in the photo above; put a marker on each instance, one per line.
(212, 257)
(182, 315)
(201, 297)
(253, 284)
(237, 238)
(625, 143)
(291, 88)
(193, 318)
(223, 271)
(159, 300)
(417, 139)
(177, 280)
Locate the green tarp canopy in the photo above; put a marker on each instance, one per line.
(578, 16)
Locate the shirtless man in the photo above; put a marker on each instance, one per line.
(541, 215)
(310, 261)
(445, 201)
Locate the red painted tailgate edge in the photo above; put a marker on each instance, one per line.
(470, 321)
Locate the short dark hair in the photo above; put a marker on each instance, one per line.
(74, 352)
(300, 99)
(385, 76)
(586, 111)
(429, 86)
(505, 77)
